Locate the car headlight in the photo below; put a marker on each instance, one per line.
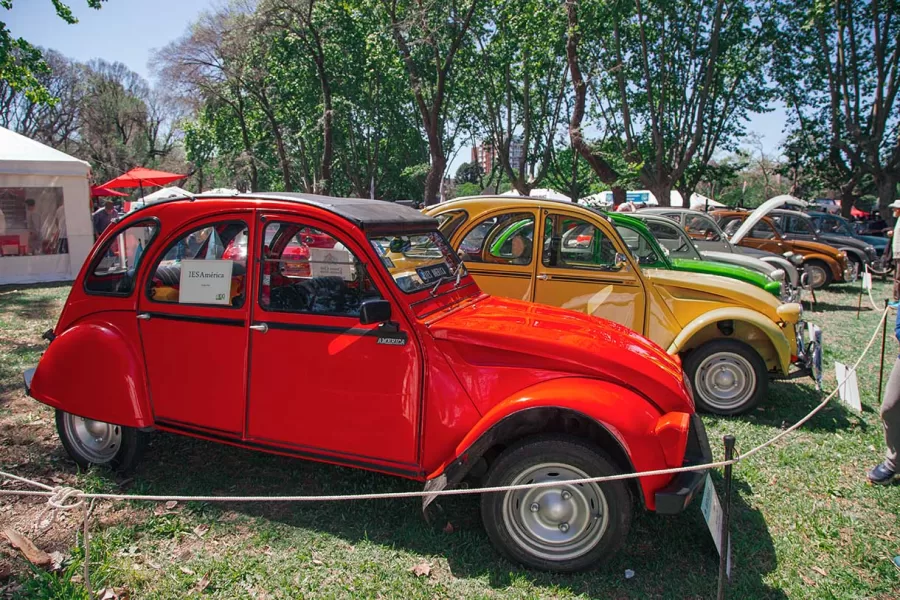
(795, 259)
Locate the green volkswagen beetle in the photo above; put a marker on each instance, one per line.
(660, 243)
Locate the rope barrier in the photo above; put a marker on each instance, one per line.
(60, 495)
(64, 498)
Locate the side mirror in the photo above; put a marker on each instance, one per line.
(620, 261)
(374, 311)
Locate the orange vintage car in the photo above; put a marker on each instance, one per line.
(822, 264)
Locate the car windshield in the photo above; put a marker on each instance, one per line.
(640, 247)
(671, 237)
(702, 227)
(417, 261)
(833, 225)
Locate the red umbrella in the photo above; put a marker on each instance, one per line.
(859, 214)
(139, 177)
(99, 190)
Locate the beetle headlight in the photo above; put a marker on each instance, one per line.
(789, 313)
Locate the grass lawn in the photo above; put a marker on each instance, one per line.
(805, 524)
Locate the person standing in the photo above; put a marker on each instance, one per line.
(62, 240)
(33, 227)
(102, 217)
(885, 472)
(895, 250)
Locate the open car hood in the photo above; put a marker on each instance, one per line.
(762, 210)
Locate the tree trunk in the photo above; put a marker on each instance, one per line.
(663, 194)
(887, 190)
(327, 133)
(848, 199)
(436, 173)
(619, 196)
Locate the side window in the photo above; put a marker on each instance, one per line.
(115, 268)
(762, 231)
(701, 228)
(581, 245)
(639, 246)
(670, 237)
(306, 270)
(504, 239)
(207, 265)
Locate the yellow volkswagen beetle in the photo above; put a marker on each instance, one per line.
(732, 336)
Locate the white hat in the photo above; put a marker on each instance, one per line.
(895, 204)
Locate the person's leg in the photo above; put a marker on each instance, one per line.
(890, 419)
(896, 280)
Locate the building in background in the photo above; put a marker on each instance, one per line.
(486, 155)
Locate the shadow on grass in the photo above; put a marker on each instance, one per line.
(825, 306)
(788, 403)
(672, 556)
(30, 306)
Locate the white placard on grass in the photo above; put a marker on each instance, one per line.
(712, 512)
(848, 390)
(867, 281)
(205, 282)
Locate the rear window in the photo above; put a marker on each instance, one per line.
(115, 268)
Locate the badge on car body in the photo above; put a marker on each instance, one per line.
(392, 340)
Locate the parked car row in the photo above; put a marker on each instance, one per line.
(504, 341)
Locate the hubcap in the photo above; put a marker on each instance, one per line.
(816, 276)
(725, 380)
(97, 442)
(559, 522)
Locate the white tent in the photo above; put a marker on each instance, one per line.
(45, 212)
(647, 198)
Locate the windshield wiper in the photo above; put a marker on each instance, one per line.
(457, 272)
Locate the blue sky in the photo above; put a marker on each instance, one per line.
(128, 31)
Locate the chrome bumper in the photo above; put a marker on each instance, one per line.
(809, 352)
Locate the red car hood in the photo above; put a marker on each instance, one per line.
(545, 342)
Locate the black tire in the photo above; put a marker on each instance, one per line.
(120, 454)
(600, 538)
(733, 360)
(826, 278)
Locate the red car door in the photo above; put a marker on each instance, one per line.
(193, 314)
(321, 382)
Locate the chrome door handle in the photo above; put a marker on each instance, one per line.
(543, 276)
(261, 327)
(144, 316)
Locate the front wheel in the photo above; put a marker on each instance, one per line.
(729, 377)
(91, 442)
(818, 273)
(563, 527)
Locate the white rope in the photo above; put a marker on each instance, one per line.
(60, 497)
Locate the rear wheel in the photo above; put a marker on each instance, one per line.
(91, 442)
(563, 527)
(729, 377)
(818, 273)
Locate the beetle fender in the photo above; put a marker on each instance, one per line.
(767, 326)
(90, 370)
(832, 264)
(859, 254)
(618, 416)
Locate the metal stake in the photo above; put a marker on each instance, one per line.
(726, 518)
(881, 365)
(859, 303)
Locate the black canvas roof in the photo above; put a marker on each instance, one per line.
(372, 216)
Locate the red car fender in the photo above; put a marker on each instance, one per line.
(646, 439)
(92, 371)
